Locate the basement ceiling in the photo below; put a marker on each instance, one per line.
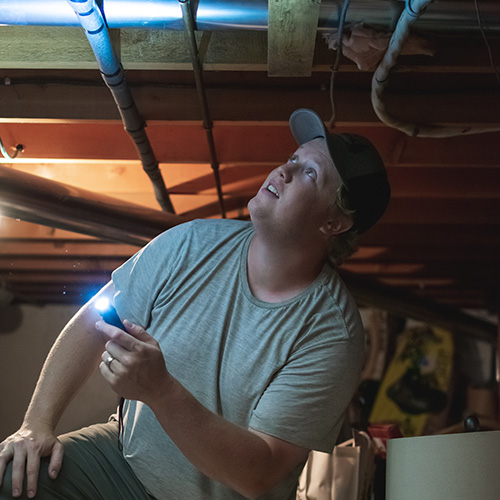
(438, 245)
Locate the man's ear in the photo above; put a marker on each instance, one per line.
(336, 226)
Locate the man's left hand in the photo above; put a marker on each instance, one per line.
(133, 363)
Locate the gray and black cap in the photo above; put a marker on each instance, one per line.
(359, 164)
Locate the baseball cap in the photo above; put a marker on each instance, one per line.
(359, 164)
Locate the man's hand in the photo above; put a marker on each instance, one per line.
(133, 363)
(25, 448)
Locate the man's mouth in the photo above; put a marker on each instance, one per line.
(273, 190)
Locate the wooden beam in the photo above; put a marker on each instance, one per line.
(74, 264)
(255, 144)
(23, 248)
(448, 252)
(471, 273)
(14, 229)
(40, 47)
(292, 36)
(93, 101)
(124, 178)
(47, 276)
(398, 301)
(470, 211)
(61, 47)
(430, 234)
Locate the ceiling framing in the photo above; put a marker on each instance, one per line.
(440, 238)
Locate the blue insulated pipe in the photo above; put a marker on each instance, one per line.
(91, 19)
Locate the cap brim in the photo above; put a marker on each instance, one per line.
(306, 125)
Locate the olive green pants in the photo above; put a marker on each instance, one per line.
(93, 469)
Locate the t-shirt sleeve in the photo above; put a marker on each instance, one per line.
(306, 400)
(140, 279)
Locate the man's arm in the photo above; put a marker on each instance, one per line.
(249, 462)
(246, 460)
(72, 359)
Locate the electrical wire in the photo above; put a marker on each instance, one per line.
(6, 155)
(481, 28)
(335, 67)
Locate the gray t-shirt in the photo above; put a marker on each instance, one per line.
(287, 369)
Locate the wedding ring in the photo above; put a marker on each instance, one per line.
(108, 361)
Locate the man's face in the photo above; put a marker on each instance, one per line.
(297, 198)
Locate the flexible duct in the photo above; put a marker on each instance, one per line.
(458, 16)
(413, 10)
(97, 34)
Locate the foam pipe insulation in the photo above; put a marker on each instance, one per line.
(92, 20)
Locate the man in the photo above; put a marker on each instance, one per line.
(248, 351)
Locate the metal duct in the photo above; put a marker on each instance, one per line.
(452, 16)
(97, 34)
(42, 201)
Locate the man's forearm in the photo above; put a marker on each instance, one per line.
(244, 460)
(72, 359)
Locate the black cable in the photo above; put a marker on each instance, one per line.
(479, 22)
(340, 34)
(19, 148)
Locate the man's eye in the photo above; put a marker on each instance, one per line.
(311, 173)
(293, 159)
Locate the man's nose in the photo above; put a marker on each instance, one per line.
(286, 171)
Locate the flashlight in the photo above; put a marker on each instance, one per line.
(108, 312)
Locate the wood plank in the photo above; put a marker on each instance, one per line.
(219, 50)
(61, 293)
(473, 273)
(453, 152)
(45, 47)
(238, 142)
(41, 47)
(66, 47)
(63, 249)
(74, 264)
(126, 178)
(383, 234)
(447, 251)
(16, 228)
(291, 36)
(464, 182)
(39, 278)
(460, 212)
(244, 102)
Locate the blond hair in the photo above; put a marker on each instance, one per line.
(342, 246)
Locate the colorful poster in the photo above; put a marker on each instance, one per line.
(416, 384)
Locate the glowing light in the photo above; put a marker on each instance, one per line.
(102, 304)
(132, 13)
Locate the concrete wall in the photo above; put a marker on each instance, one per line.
(26, 336)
